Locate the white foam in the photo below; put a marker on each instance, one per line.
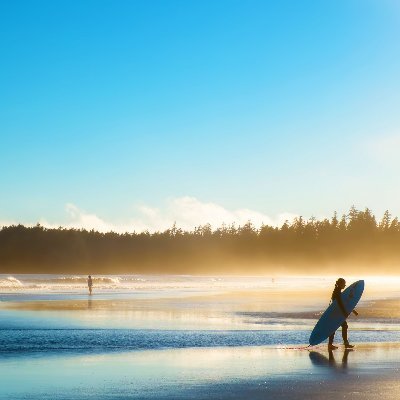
(55, 283)
(10, 282)
(66, 280)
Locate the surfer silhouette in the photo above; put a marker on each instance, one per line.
(90, 284)
(336, 295)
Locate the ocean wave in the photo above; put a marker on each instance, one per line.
(10, 282)
(57, 283)
(67, 280)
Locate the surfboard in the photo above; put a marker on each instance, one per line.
(333, 316)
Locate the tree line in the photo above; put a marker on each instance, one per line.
(355, 242)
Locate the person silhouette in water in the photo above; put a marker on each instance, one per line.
(336, 295)
(90, 284)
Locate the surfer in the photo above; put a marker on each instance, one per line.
(90, 284)
(336, 295)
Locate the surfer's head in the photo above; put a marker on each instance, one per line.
(341, 283)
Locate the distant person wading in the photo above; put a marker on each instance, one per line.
(90, 284)
(336, 295)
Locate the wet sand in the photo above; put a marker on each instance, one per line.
(369, 372)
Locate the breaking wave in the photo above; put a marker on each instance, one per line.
(56, 282)
(10, 282)
(83, 280)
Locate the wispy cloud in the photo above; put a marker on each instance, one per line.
(189, 212)
(81, 219)
(186, 212)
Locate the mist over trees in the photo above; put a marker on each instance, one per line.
(353, 243)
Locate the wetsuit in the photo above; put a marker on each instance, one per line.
(336, 295)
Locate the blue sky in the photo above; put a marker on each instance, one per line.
(132, 113)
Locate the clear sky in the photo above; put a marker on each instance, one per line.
(133, 114)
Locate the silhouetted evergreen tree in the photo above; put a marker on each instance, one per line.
(302, 245)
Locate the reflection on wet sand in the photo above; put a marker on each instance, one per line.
(320, 360)
(217, 373)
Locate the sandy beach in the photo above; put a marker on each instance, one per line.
(184, 341)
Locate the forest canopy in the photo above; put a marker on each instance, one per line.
(355, 242)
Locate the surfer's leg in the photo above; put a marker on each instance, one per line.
(344, 332)
(344, 336)
(330, 343)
